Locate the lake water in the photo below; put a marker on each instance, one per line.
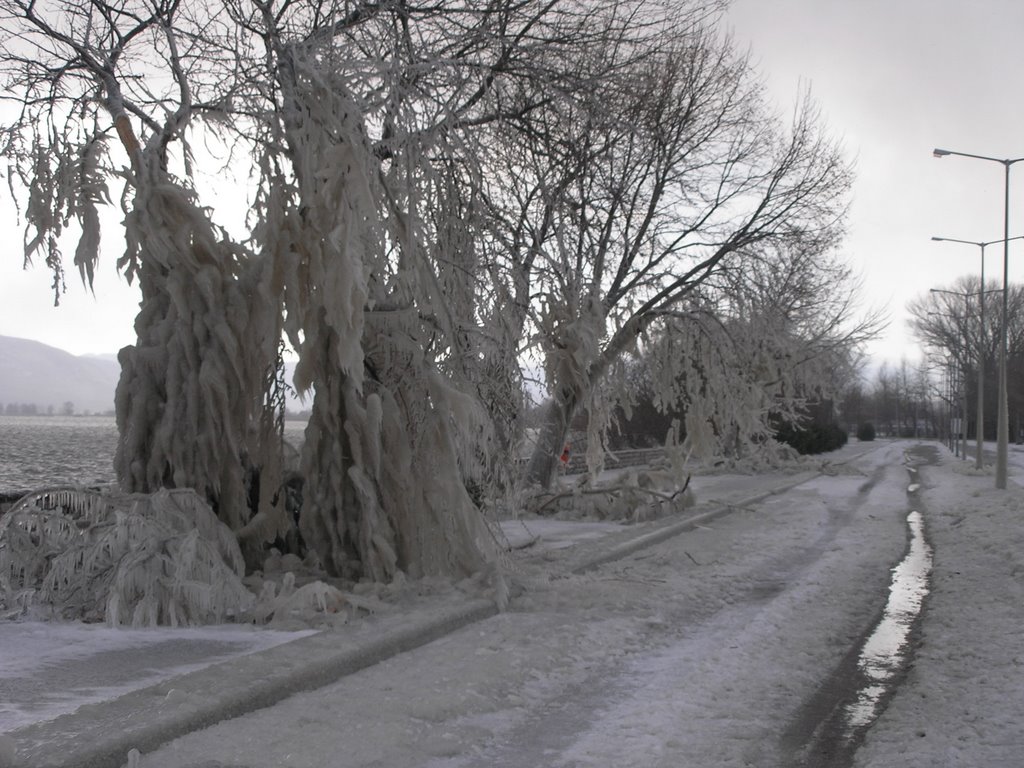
(56, 450)
(38, 451)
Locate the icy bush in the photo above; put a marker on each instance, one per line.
(129, 559)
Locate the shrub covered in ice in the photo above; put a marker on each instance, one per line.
(138, 559)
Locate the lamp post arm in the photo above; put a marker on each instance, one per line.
(980, 243)
(1006, 162)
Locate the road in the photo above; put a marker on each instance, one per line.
(723, 646)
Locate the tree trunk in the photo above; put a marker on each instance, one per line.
(570, 393)
(550, 442)
(384, 490)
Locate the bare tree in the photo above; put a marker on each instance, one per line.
(948, 322)
(670, 172)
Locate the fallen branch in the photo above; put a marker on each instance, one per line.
(612, 490)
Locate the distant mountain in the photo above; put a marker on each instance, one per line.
(32, 373)
(39, 375)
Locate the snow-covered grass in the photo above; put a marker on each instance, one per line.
(697, 651)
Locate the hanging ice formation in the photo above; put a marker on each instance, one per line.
(190, 397)
(384, 488)
(130, 559)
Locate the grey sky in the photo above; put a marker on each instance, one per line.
(896, 78)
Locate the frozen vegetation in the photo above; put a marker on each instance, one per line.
(435, 201)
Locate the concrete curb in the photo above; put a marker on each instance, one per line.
(100, 735)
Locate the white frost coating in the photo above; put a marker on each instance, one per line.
(728, 381)
(301, 604)
(700, 435)
(131, 559)
(91, 192)
(572, 333)
(190, 395)
(384, 491)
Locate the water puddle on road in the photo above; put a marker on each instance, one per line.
(884, 655)
(832, 724)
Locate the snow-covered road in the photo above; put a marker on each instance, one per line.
(697, 651)
(723, 646)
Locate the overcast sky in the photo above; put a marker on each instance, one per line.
(894, 78)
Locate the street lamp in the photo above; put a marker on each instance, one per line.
(1003, 422)
(952, 392)
(979, 431)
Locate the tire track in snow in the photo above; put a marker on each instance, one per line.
(832, 724)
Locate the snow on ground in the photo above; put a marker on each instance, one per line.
(962, 703)
(691, 652)
(51, 668)
(595, 669)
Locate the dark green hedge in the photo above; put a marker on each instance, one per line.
(812, 438)
(866, 431)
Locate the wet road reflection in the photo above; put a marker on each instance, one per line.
(833, 723)
(885, 652)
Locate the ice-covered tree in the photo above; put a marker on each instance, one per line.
(807, 304)
(133, 559)
(632, 195)
(369, 204)
(110, 92)
(358, 122)
(383, 480)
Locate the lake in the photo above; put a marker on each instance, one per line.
(38, 451)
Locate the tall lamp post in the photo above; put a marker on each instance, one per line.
(979, 436)
(1003, 422)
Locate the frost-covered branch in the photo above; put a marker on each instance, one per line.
(125, 559)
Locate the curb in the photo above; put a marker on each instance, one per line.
(101, 735)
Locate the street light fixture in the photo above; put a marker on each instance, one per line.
(1003, 423)
(979, 430)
